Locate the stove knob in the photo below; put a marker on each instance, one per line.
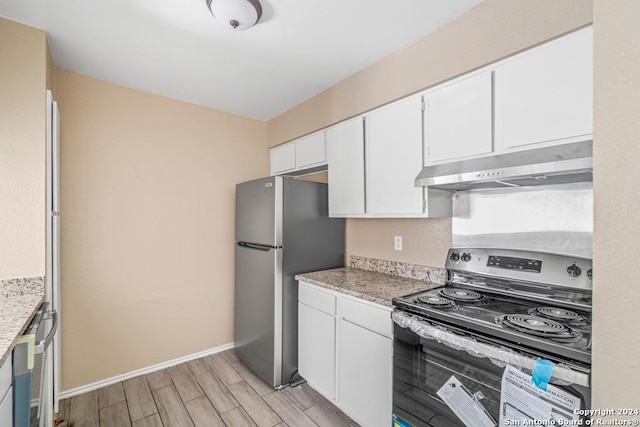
(590, 273)
(466, 257)
(574, 270)
(455, 256)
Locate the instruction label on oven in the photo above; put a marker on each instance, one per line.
(523, 403)
(464, 404)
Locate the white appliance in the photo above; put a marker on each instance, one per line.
(51, 371)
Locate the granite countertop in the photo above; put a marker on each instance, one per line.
(19, 300)
(379, 288)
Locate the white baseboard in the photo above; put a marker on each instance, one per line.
(122, 377)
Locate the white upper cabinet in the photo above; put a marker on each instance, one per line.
(310, 151)
(345, 156)
(458, 119)
(283, 159)
(545, 95)
(303, 153)
(394, 158)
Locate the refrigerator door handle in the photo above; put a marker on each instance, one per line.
(254, 246)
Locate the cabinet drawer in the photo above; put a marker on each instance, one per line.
(376, 319)
(314, 297)
(5, 376)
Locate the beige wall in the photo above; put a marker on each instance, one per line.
(493, 30)
(23, 73)
(616, 341)
(148, 188)
(425, 241)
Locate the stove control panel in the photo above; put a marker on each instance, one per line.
(455, 256)
(535, 267)
(513, 263)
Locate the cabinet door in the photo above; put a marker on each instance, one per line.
(316, 349)
(394, 159)
(6, 408)
(458, 119)
(345, 155)
(365, 375)
(6, 394)
(283, 158)
(310, 151)
(546, 94)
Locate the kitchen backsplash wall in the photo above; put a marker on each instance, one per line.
(395, 268)
(550, 218)
(425, 241)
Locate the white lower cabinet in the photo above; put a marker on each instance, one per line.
(6, 409)
(365, 374)
(317, 348)
(6, 394)
(345, 352)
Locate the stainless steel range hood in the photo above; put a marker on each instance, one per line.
(559, 164)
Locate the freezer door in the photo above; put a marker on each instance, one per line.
(259, 211)
(258, 310)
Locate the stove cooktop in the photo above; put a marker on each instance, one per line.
(553, 329)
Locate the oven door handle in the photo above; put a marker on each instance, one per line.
(499, 356)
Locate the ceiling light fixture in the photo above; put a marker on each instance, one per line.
(238, 14)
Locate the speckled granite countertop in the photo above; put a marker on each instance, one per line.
(19, 299)
(375, 287)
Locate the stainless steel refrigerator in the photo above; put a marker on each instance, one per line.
(282, 229)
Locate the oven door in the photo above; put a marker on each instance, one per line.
(427, 354)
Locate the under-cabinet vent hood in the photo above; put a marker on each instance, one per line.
(560, 164)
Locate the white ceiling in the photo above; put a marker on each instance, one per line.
(177, 49)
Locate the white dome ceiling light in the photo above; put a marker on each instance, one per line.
(237, 14)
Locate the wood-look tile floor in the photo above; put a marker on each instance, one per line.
(217, 390)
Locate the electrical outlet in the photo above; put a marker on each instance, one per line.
(397, 243)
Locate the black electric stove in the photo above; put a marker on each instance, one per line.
(537, 300)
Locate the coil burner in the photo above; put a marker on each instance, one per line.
(458, 294)
(435, 301)
(555, 313)
(540, 326)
